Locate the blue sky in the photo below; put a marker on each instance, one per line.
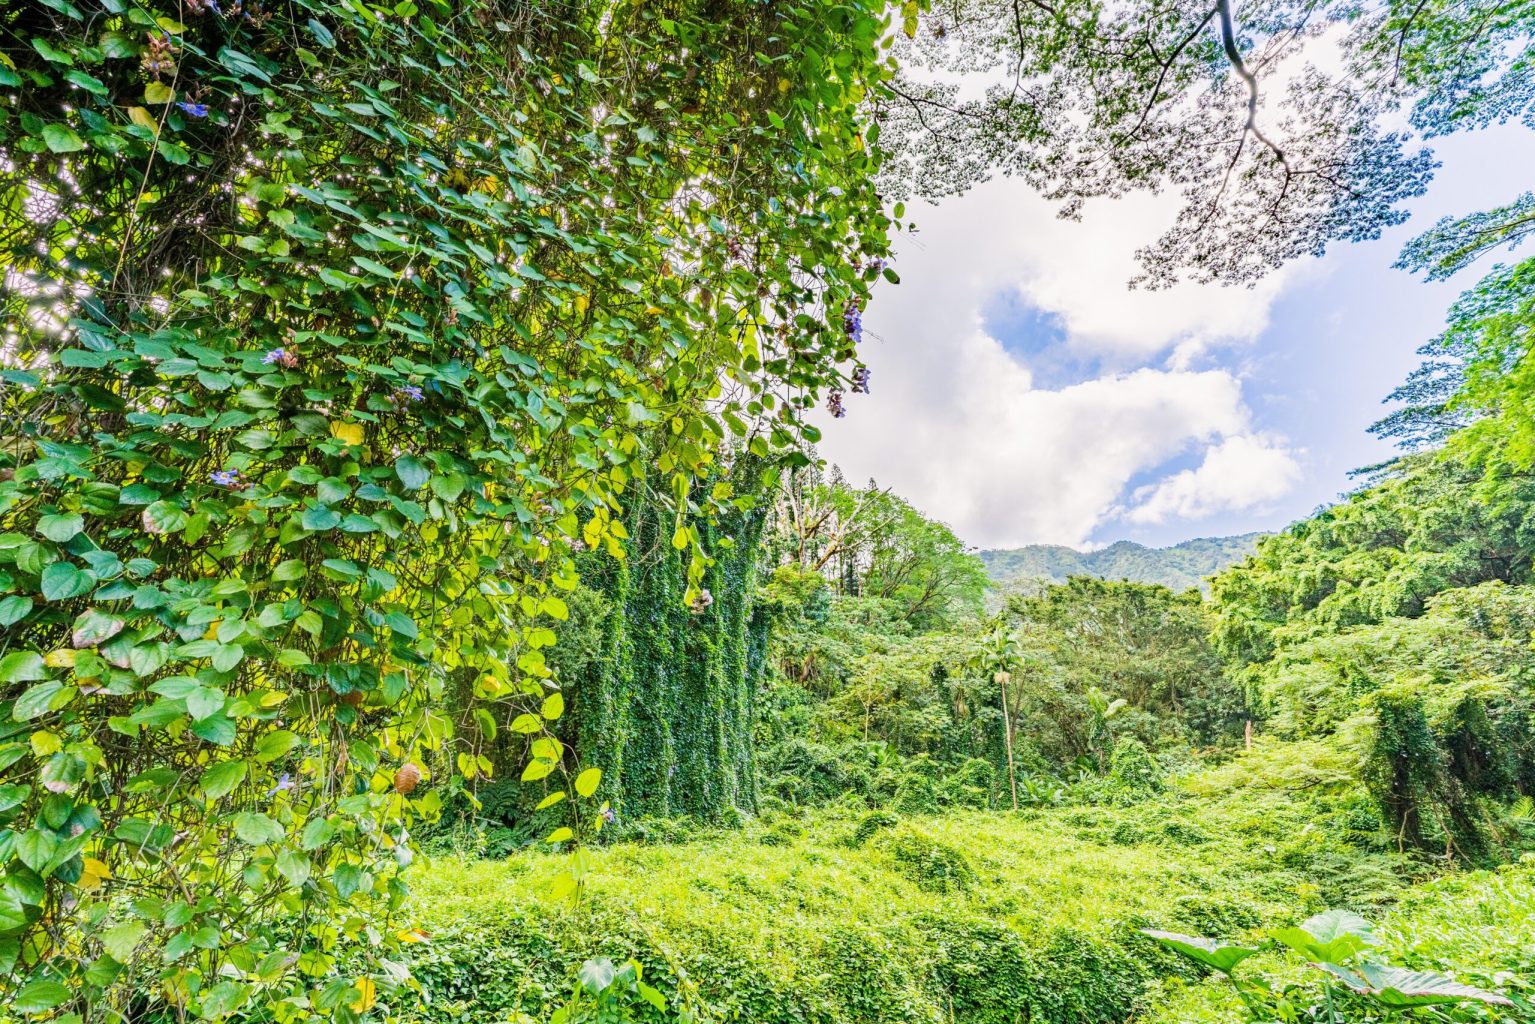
(1023, 394)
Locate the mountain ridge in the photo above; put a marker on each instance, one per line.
(1178, 566)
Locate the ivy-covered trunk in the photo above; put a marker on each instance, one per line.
(666, 707)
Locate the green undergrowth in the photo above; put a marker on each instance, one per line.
(868, 916)
(1477, 926)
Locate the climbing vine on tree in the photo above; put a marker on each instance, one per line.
(330, 326)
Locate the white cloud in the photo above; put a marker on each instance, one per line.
(1079, 271)
(1242, 472)
(956, 424)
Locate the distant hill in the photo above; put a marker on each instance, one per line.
(1179, 567)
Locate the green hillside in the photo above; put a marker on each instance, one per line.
(1178, 567)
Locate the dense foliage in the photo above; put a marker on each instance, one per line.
(967, 916)
(404, 436)
(330, 329)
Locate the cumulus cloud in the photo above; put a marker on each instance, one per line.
(959, 425)
(1241, 472)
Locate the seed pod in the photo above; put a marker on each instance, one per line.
(406, 778)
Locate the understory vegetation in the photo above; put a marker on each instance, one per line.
(422, 600)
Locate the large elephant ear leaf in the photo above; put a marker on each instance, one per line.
(1212, 953)
(1330, 937)
(1399, 988)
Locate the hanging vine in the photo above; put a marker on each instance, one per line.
(328, 327)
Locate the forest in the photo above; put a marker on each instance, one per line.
(424, 600)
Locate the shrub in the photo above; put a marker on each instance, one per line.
(1134, 773)
(931, 863)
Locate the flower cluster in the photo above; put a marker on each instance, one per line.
(193, 109)
(861, 381)
(160, 57)
(280, 357)
(409, 393)
(834, 405)
(225, 477)
(852, 323)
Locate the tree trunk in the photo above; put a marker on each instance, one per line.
(1007, 735)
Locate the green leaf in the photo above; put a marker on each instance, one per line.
(22, 667)
(121, 940)
(256, 829)
(36, 701)
(1213, 953)
(204, 701)
(1399, 988)
(274, 745)
(62, 139)
(38, 996)
(413, 472)
(13, 609)
(221, 779)
(60, 528)
(52, 53)
(1334, 936)
(36, 849)
(13, 913)
(293, 866)
(216, 729)
(317, 833)
(62, 581)
(162, 517)
(319, 519)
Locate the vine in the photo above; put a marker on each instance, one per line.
(329, 327)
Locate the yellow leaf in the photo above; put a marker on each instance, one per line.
(46, 744)
(582, 302)
(554, 706)
(61, 658)
(351, 433)
(560, 835)
(367, 995)
(142, 118)
(550, 800)
(92, 873)
(213, 630)
(156, 93)
(587, 781)
(413, 935)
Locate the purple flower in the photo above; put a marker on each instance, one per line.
(412, 392)
(852, 323)
(225, 477)
(608, 815)
(277, 355)
(861, 381)
(834, 405)
(194, 109)
(284, 782)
